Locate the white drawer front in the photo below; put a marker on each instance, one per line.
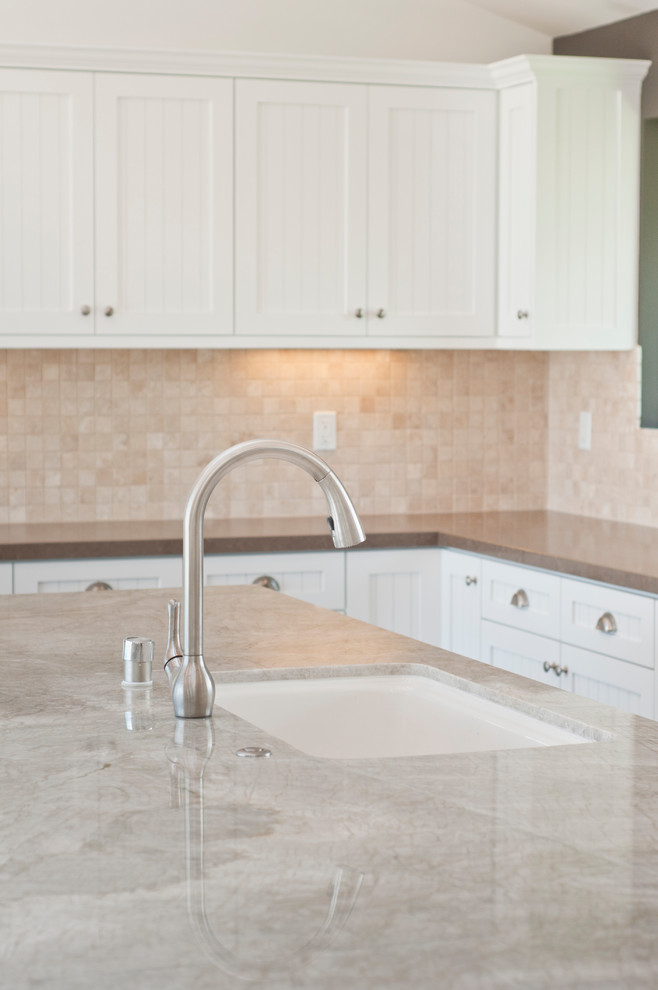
(522, 653)
(584, 606)
(318, 578)
(613, 682)
(521, 597)
(121, 574)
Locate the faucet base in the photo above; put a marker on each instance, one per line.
(193, 693)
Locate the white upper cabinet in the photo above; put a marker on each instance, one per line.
(371, 203)
(46, 203)
(432, 197)
(569, 201)
(300, 208)
(364, 211)
(164, 211)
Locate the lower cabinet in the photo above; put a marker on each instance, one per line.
(614, 682)
(318, 578)
(121, 574)
(522, 653)
(6, 579)
(460, 594)
(582, 636)
(397, 590)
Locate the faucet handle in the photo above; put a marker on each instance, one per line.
(174, 652)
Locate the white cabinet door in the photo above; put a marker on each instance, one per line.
(432, 212)
(614, 682)
(46, 203)
(569, 201)
(121, 574)
(523, 653)
(300, 208)
(397, 590)
(461, 583)
(318, 578)
(516, 202)
(164, 205)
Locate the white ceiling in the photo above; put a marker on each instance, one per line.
(557, 17)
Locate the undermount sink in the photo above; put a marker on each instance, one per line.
(384, 715)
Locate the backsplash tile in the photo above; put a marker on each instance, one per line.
(122, 434)
(618, 478)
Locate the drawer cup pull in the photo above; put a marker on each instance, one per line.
(470, 580)
(607, 624)
(265, 581)
(99, 586)
(520, 599)
(556, 668)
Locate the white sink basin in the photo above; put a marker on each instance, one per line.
(383, 715)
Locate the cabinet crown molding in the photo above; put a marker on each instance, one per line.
(527, 68)
(248, 64)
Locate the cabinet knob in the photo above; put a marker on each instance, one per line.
(99, 586)
(109, 311)
(85, 310)
(520, 599)
(556, 668)
(266, 581)
(358, 313)
(470, 580)
(607, 624)
(522, 314)
(381, 313)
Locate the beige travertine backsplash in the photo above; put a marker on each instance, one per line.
(122, 434)
(618, 478)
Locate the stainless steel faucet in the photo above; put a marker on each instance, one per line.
(192, 687)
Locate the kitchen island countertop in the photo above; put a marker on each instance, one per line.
(140, 850)
(597, 549)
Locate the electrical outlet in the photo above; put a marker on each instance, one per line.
(585, 431)
(324, 431)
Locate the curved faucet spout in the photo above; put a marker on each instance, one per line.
(193, 689)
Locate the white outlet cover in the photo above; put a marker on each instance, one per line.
(585, 430)
(324, 431)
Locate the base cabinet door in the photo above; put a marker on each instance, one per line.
(318, 578)
(397, 590)
(611, 681)
(124, 574)
(6, 579)
(523, 653)
(461, 603)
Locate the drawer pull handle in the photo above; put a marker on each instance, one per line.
(556, 668)
(607, 624)
(470, 580)
(520, 599)
(99, 586)
(359, 313)
(265, 581)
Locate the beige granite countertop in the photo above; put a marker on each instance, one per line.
(597, 549)
(139, 854)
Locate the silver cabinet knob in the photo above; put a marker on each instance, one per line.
(358, 313)
(470, 580)
(607, 624)
(99, 586)
(266, 581)
(520, 599)
(109, 311)
(85, 310)
(556, 668)
(381, 313)
(522, 314)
